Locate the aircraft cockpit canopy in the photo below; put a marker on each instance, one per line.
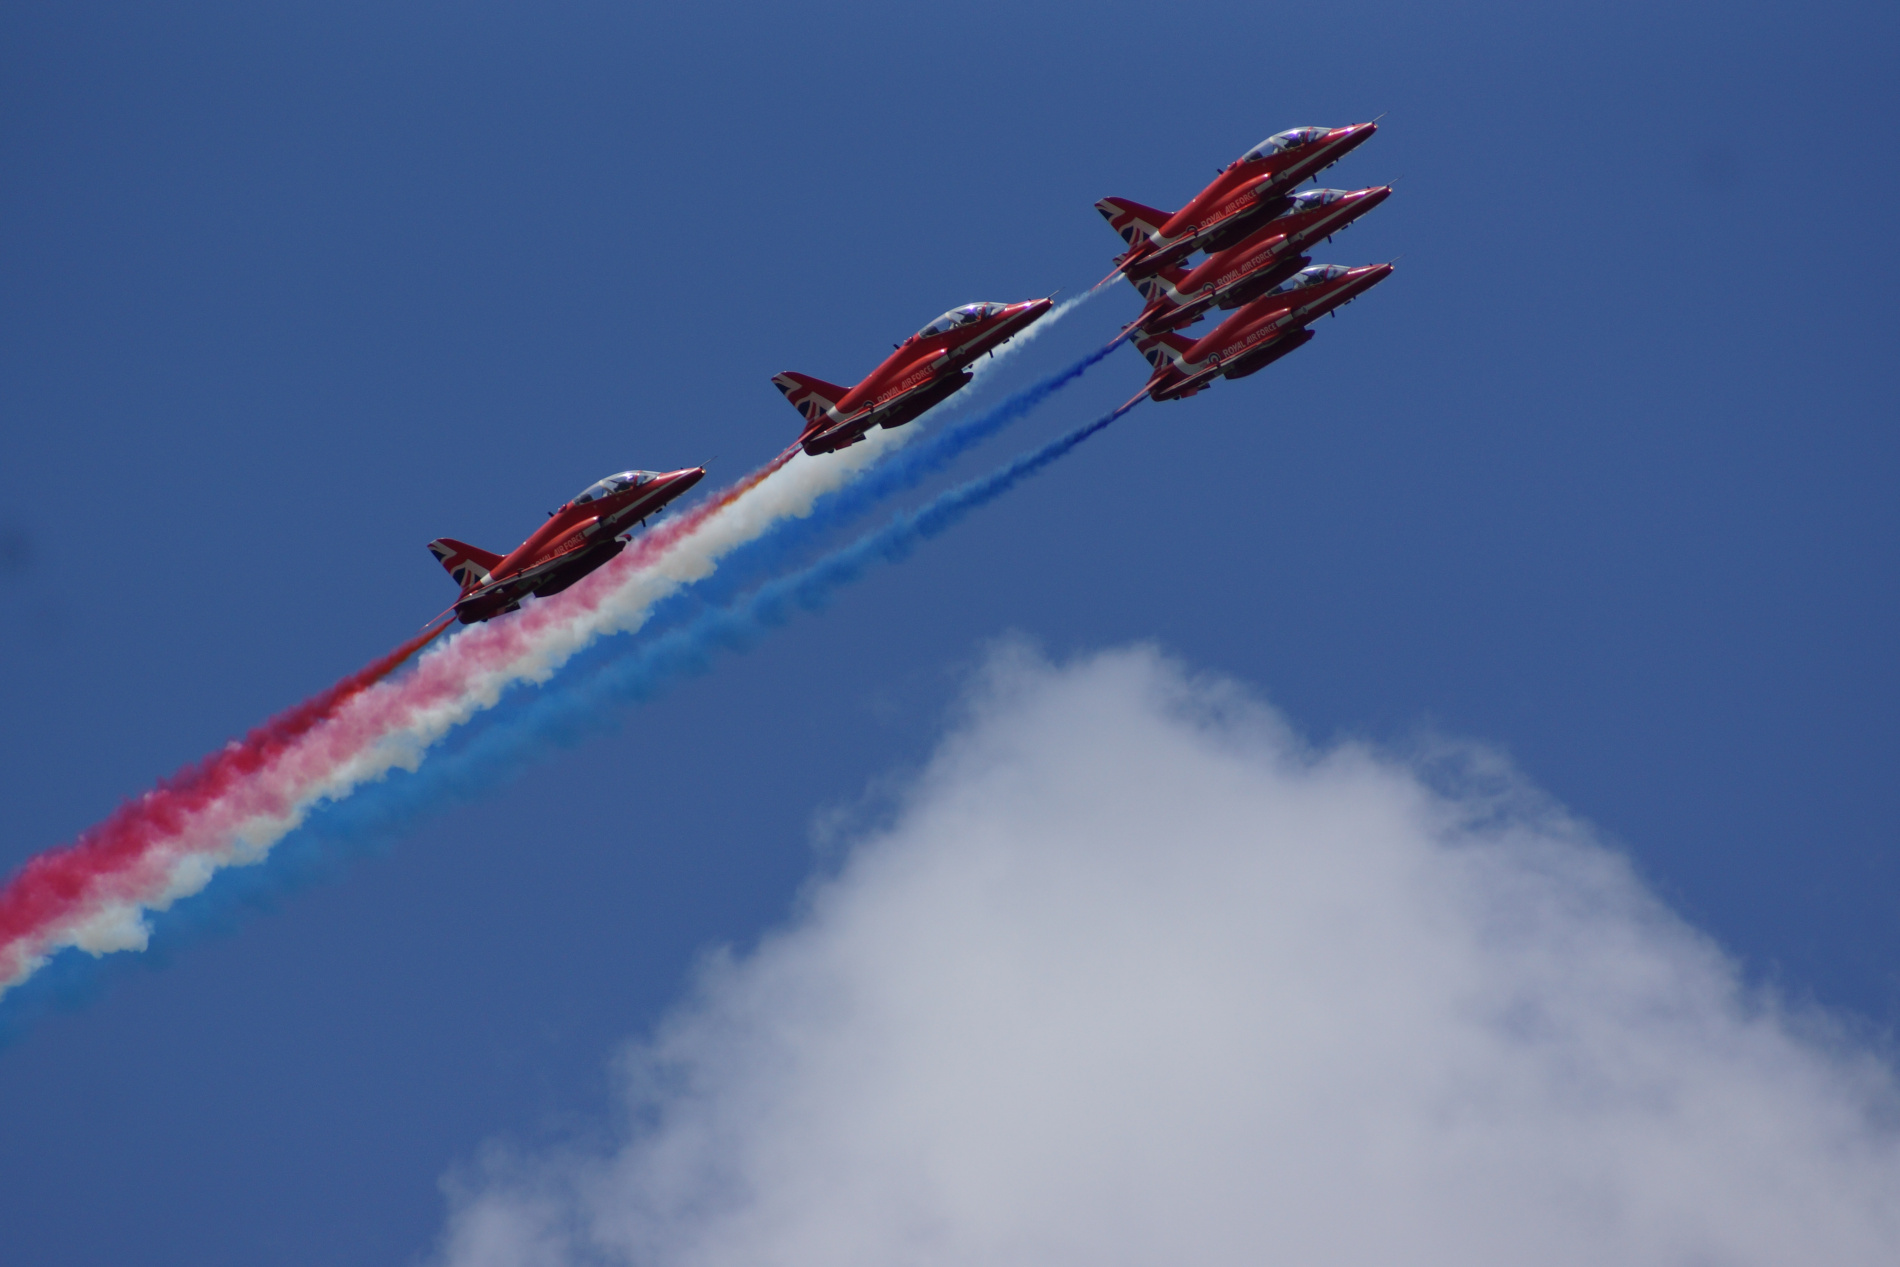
(967, 315)
(615, 484)
(1280, 142)
(1313, 199)
(1312, 277)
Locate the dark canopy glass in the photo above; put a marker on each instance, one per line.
(1279, 142)
(613, 484)
(968, 314)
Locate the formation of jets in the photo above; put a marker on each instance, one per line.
(1255, 229)
(1253, 225)
(1248, 191)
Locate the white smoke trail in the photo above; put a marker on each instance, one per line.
(984, 371)
(392, 725)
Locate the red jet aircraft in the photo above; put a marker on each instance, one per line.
(1178, 297)
(1252, 186)
(1256, 336)
(576, 539)
(928, 367)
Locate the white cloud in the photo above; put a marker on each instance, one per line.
(1137, 978)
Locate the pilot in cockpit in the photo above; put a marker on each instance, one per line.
(613, 484)
(968, 314)
(1279, 142)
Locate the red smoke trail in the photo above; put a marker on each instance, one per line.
(54, 883)
(504, 642)
(128, 859)
(481, 652)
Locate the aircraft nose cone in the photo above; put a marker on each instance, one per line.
(1350, 137)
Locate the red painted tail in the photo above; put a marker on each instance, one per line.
(469, 565)
(813, 397)
(1131, 219)
(1155, 285)
(1164, 351)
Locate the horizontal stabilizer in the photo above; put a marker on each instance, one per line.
(469, 565)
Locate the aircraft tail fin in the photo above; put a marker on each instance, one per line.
(1154, 286)
(469, 565)
(1164, 351)
(812, 397)
(1131, 219)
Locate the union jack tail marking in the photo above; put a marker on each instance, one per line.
(1135, 222)
(1164, 351)
(1156, 284)
(469, 565)
(812, 397)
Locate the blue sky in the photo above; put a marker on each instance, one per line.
(1602, 477)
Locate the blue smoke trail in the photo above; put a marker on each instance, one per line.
(377, 815)
(562, 716)
(565, 714)
(904, 469)
(900, 472)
